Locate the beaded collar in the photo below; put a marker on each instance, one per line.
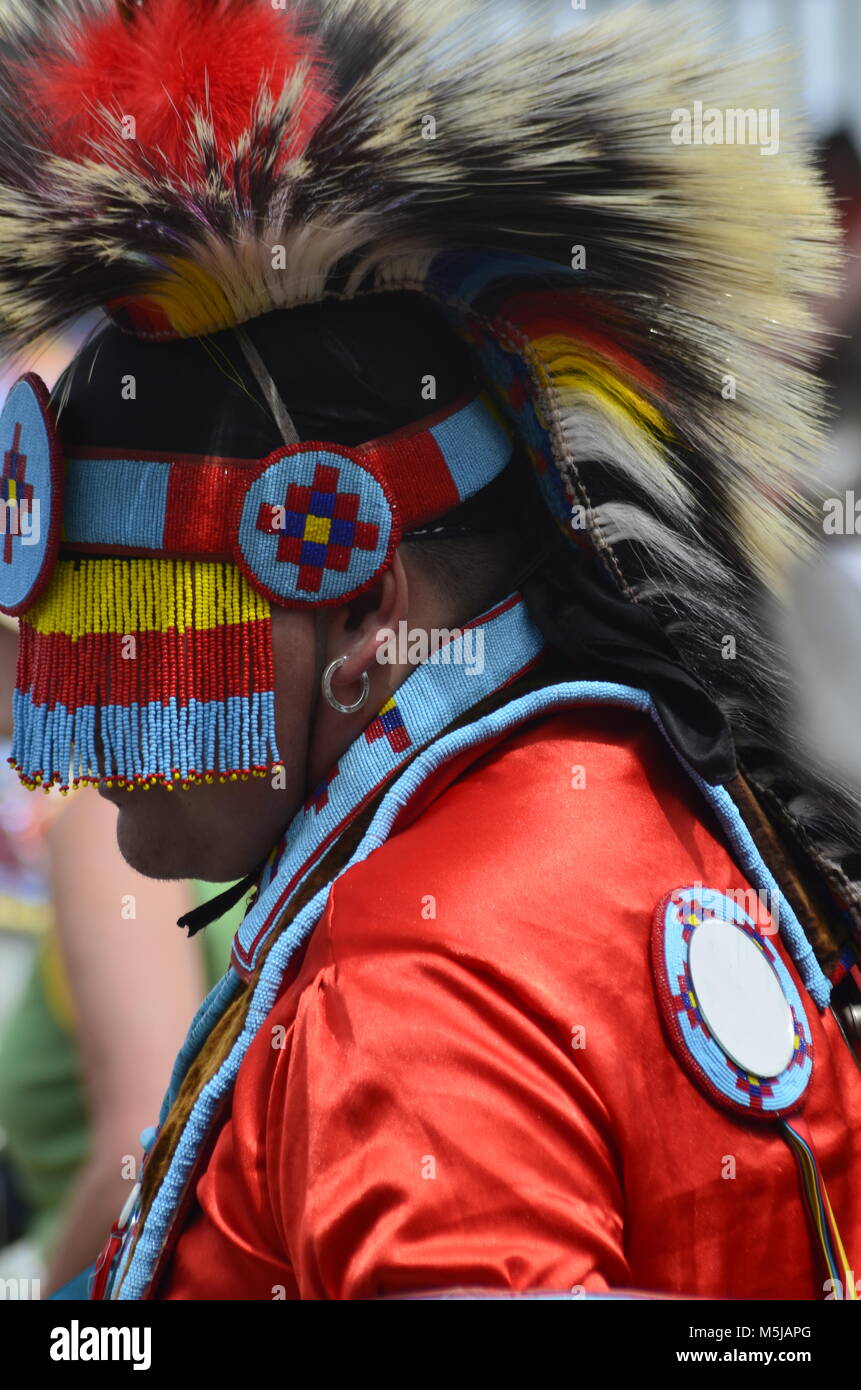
(503, 641)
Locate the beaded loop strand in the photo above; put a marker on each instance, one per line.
(144, 672)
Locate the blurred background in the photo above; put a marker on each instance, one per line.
(88, 951)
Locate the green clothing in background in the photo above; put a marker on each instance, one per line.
(43, 1102)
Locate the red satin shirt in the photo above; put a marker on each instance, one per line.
(414, 1116)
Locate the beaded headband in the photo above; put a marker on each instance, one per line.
(144, 579)
(313, 523)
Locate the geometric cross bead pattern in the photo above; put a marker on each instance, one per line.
(315, 527)
(30, 494)
(710, 1060)
(389, 724)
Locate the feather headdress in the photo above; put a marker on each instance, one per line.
(637, 298)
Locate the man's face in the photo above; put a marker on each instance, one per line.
(222, 831)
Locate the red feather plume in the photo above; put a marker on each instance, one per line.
(157, 62)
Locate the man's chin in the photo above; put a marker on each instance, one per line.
(148, 845)
(213, 834)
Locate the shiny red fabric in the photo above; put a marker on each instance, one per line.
(413, 1116)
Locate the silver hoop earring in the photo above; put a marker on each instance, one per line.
(332, 699)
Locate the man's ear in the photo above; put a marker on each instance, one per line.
(358, 630)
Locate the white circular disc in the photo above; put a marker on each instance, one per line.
(740, 998)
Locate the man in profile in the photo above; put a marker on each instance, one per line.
(496, 1015)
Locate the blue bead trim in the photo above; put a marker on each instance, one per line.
(145, 741)
(119, 501)
(475, 447)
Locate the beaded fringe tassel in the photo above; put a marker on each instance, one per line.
(142, 672)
